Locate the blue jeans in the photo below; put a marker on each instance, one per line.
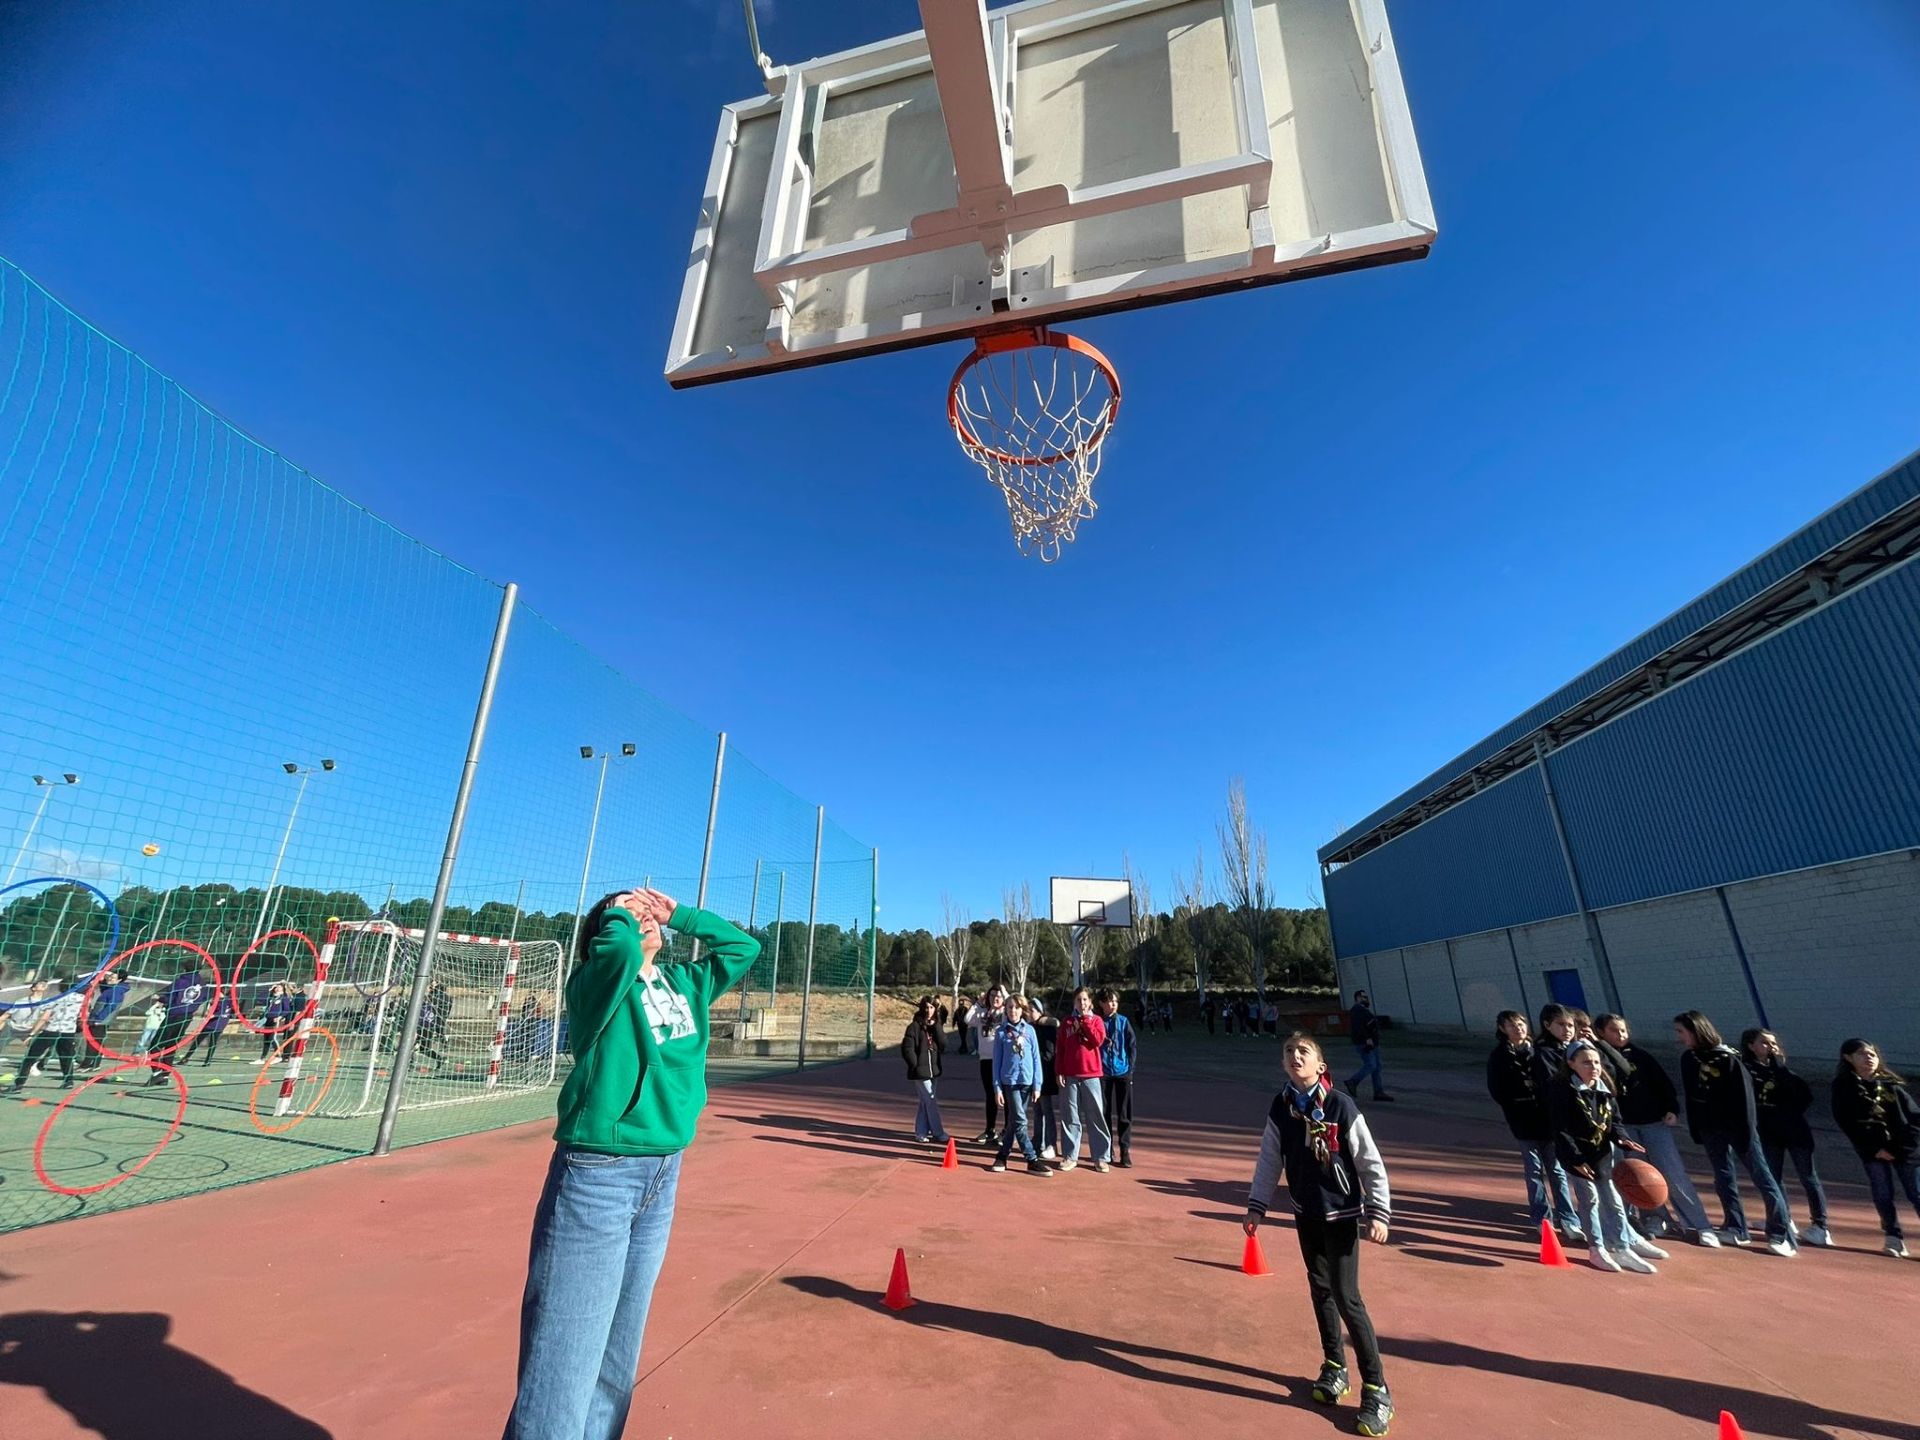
(1809, 1173)
(1663, 1153)
(1369, 1065)
(599, 1235)
(1014, 1097)
(1722, 1151)
(926, 1120)
(1881, 1175)
(1540, 1164)
(1084, 1094)
(1603, 1209)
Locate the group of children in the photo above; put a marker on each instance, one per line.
(1581, 1096)
(1028, 1061)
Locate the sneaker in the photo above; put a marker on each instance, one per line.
(256, 1063)
(1069, 1164)
(1733, 1237)
(1376, 1410)
(1600, 1260)
(1627, 1260)
(1783, 1247)
(1331, 1385)
(1647, 1250)
(1895, 1247)
(1126, 1161)
(1707, 1239)
(1101, 1166)
(1819, 1235)
(1039, 1167)
(34, 1069)
(985, 1137)
(999, 1167)
(1049, 1153)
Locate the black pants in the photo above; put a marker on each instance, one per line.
(993, 1095)
(1116, 1095)
(1331, 1249)
(208, 1038)
(61, 1045)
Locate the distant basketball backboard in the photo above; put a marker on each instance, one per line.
(1050, 159)
(1080, 901)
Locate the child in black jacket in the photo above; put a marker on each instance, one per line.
(1721, 1117)
(1873, 1109)
(1649, 1109)
(923, 1052)
(1588, 1137)
(1781, 1100)
(1318, 1141)
(1512, 1083)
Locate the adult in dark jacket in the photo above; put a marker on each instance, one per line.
(920, 1047)
(1649, 1109)
(1781, 1100)
(1877, 1115)
(1363, 1028)
(1720, 1116)
(1046, 1114)
(1588, 1138)
(1511, 1083)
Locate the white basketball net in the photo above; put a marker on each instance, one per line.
(1035, 417)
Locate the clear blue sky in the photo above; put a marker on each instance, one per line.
(1347, 527)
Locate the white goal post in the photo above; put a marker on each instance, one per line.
(490, 1024)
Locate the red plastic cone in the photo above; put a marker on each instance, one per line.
(1729, 1427)
(1252, 1262)
(1550, 1252)
(950, 1161)
(899, 1294)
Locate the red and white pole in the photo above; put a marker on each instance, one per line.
(499, 1045)
(285, 1102)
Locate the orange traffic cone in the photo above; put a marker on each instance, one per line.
(899, 1294)
(1252, 1262)
(1729, 1427)
(1550, 1252)
(950, 1161)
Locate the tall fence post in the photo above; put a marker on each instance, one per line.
(813, 915)
(873, 943)
(753, 908)
(436, 915)
(706, 850)
(779, 923)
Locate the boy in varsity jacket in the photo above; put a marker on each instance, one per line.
(1318, 1141)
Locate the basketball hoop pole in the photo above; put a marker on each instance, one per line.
(1078, 932)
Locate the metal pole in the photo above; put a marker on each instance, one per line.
(403, 1057)
(53, 940)
(873, 945)
(519, 904)
(161, 918)
(706, 850)
(1596, 942)
(1076, 931)
(586, 867)
(753, 906)
(779, 921)
(285, 835)
(46, 794)
(813, 915)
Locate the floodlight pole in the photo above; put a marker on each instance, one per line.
(813, 915)
(706, 850)
(436, 914)
(46, 788)
(753, 906)
(779, 919)
(873, 944)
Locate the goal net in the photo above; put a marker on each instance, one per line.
(488, 1026)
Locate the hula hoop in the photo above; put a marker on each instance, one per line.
(233, 984)
(86, 1008)
(173, 1129)
(253, 1095)
(113, 939)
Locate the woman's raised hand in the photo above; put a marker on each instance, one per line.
(654, 904)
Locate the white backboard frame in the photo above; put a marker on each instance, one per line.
(1084, 900)
(964, 257)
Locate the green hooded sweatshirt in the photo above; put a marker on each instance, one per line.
(639, 1047)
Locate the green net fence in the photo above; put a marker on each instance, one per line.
(234, 709)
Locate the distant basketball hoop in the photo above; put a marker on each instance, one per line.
(1033, 409)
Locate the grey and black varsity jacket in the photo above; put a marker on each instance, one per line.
(1352, 1183)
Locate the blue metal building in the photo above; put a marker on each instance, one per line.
(1725, 813)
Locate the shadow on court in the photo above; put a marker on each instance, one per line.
(118, 1374)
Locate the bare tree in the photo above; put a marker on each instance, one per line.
(1191, 892)
(1019, 936)
(1141, 932)
(956, 935)
(1243, 855)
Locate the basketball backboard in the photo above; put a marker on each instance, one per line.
(1050, 159)
(1076, 900)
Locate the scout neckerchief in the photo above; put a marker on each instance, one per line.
(1323, 1135)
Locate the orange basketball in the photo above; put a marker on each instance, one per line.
(1640, 1185)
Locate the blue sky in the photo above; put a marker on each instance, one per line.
(1347, 527)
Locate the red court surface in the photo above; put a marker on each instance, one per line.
(377, 1299)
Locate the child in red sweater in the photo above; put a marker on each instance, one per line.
(1076, 1060)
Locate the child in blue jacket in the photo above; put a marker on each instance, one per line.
(1016, 1074)
(1118, 1055)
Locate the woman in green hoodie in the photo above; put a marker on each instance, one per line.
(638, 1032)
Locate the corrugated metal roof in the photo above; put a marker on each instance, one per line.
(1872, 502)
